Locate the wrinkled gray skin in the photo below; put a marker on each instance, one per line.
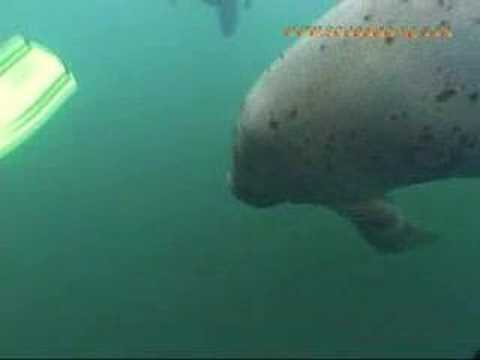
(342, 122)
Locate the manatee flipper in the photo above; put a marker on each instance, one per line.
(384, 226)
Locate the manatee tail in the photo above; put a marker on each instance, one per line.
(384, 226)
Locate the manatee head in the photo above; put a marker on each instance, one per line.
(261, 175)
(252, 177)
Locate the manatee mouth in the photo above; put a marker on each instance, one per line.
(248, 196)
(253, 178)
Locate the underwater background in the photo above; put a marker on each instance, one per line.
(119, 236)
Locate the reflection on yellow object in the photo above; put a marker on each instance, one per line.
(34, 83)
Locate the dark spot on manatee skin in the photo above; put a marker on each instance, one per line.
(441, 3)
(307, 141)
(445, 23)
(474, 96)
(426, 136)
(456, 129)
(367, 17)
(476, 21)
(393, 117)
(471, 144)
(389, 40)
(274, 125)
(445, 95)
(323, 47)
(293, 113)
(463, 140)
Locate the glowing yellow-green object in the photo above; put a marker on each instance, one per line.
(34, 83)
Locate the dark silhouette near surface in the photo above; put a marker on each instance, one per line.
(227, 13)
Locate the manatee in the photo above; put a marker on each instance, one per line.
(227, 11)
(343, 122)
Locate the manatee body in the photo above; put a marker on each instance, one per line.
(341, 122)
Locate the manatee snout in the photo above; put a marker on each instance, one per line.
(254, 176)
(249, 195)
